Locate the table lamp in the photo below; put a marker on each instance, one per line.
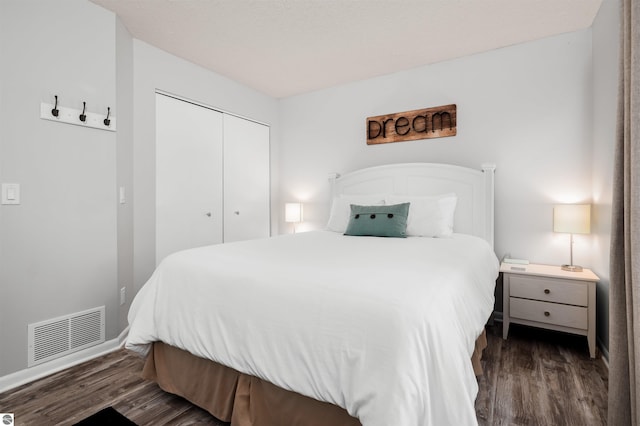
(572, 219)
(293, 214)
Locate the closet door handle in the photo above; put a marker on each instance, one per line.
(237, 213)
(546, 313)
(208, 214)
(547, 291)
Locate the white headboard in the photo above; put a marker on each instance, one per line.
(474, 188)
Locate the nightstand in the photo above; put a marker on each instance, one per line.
(545, 296)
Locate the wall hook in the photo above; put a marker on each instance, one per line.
(83, 117)
(106, 121)
(55, 111)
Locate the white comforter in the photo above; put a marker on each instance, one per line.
(383, 327)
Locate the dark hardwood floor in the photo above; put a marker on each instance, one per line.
(540, 377)
(69, 396)
(534, 378)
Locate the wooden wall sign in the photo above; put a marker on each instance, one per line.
(436, 122)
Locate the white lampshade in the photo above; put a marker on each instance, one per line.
(572, 218)
(293, 212)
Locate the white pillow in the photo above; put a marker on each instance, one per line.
(341, 209)
(429, 216)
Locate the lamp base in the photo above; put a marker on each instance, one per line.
(571, 268)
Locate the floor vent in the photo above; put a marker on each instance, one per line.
(64, 335)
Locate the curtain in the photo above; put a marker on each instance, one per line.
(624, 291)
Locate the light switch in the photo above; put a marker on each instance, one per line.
(122, 195)
(10, 193)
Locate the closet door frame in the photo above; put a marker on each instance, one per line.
(221, 211)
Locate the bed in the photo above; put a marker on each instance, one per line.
(323, 328)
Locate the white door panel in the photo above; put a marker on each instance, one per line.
(188, 176)
(246, 180)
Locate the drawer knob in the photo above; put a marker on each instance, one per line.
(546, 313)
(547, 291)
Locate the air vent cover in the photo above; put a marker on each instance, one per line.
(64, 335)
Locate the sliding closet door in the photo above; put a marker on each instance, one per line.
(188, 176)
(246, 180)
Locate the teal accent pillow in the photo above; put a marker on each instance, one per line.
(378, 221)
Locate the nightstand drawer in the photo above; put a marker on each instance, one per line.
(549, 313)
(549, 290)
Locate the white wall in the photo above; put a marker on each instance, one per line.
(124, 170)
(606, 33)
(156, 69)
(58, 247)
(526, 108)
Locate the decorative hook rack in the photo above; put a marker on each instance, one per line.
(78, 117)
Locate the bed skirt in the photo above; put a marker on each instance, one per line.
(246, 400)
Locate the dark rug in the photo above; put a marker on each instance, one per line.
(107, 416)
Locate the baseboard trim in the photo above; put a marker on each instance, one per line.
(13, 380)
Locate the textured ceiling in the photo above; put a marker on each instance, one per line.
(287, 47)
